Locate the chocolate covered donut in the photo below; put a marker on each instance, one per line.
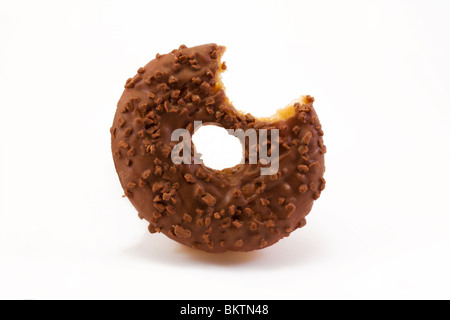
(237, 208)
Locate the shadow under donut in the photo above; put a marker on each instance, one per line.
(295, 251)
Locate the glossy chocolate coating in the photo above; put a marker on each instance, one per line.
(233, 209)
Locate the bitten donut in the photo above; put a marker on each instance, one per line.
(236, 208)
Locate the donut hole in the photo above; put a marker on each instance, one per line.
(218, 149)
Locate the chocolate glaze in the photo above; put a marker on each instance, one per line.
(233, 209)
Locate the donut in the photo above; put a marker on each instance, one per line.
(234, 209)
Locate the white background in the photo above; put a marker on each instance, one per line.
(379, 71)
